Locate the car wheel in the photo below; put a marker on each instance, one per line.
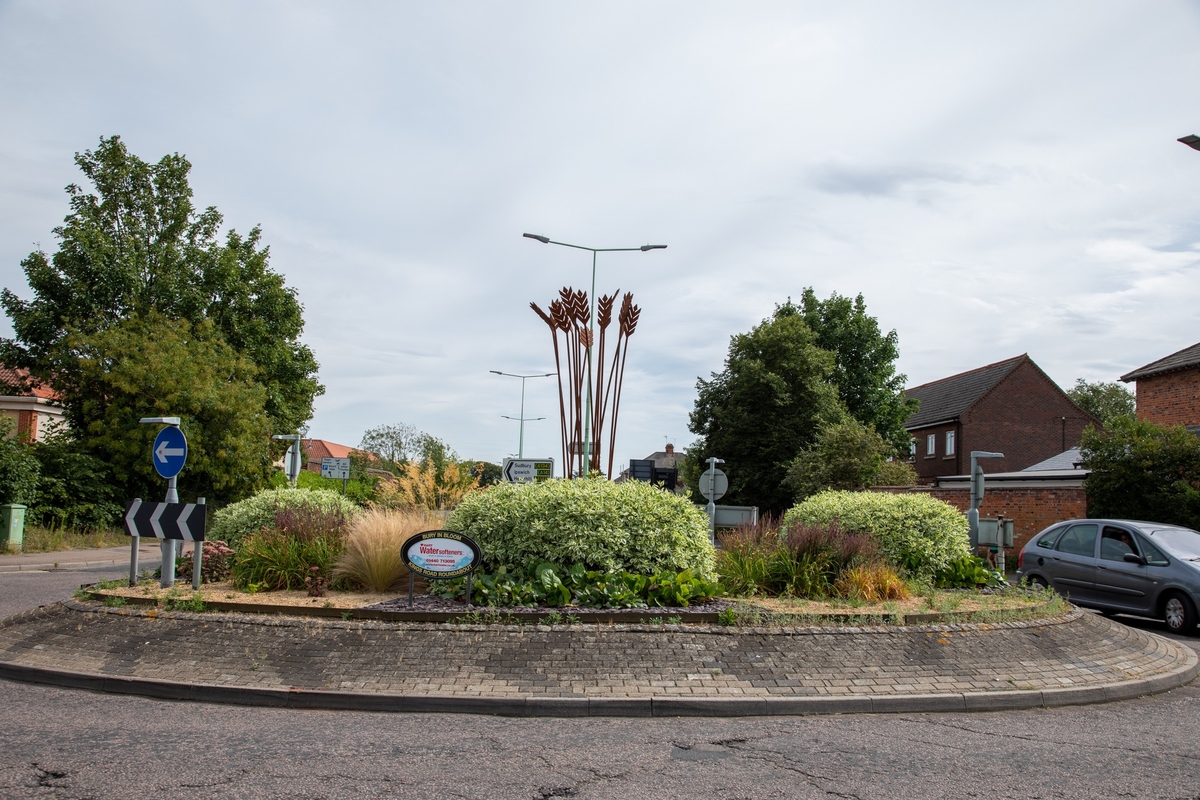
(1179, 613)
(1039, 583)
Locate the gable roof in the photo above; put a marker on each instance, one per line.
(1187, 357)
(12, 378)
(948, 398)
(323, 448)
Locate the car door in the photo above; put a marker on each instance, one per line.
(1119, 583)
(1073, 562)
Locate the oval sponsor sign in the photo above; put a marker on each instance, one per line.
(440, 555)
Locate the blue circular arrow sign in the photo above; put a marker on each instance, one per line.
(170, 452)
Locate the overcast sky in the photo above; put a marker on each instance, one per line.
(994, 178)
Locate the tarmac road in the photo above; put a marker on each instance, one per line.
(58, 743)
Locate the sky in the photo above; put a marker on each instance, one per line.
(994, 178)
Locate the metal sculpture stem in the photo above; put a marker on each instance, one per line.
(589, 394)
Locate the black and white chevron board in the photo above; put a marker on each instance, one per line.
(166, 520)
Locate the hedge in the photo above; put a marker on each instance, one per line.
(234, 523)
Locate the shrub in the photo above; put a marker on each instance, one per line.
(807, 562)
(610, 527)
(234, 523)
(915, 533)
(968, 572)
(372, 553)
(214, 566)
(285, 554)
(871, 583)
(895, 473)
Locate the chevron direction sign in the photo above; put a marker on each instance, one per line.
(165, 520)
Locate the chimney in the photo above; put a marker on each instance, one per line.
(670, 449)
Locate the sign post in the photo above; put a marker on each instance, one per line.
(291, 460)
(440, 556)
(336, 468)
(977, 494)
(168, 456)
(527, 470)
(713, 485)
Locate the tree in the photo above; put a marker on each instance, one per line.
(864, 363)
(1139, 470)
(137, 245)
(1104, 401)
(845, 455)
(764, 408)
(75, 489)
(19, 468)
(393, 445)
(153, 366)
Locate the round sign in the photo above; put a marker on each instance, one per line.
(169, 452)
(716, 479)
(440, 555)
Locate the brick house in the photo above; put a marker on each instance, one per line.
(1168, 390)
(1010, 407)
(34, 411)
(316, 449)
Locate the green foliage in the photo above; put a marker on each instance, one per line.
(174, 601)
(915, 533)
(487, 472)
(895, 473)
(19, 467)
(542, 583)
(393, 445)
(768, 404)
(215, 565)
(1140, 470)
(807, 563)
(968, 572)
(360, 489)
(75, 489)
(235, 523)
(136, 244)
(846, 455)
(152, 366)
(1105, 401)
(610, 527)
(864, 364)
(273, 561)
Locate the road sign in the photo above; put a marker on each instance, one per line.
(169, 452)
(166, 520)
(713, 479)
(528, 470)
(336, 468)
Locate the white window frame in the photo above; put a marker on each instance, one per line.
(931, 444)
(949, 443)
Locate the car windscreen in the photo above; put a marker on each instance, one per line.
(1179, 542)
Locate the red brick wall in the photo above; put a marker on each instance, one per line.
(931, 466)
(1172, 398)
(1022, 417)
(1032, 510)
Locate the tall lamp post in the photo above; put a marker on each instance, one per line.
(521, 445)
(587, 418)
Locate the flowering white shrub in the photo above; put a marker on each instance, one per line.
(916, 533)
(236, 522)
(630, 526)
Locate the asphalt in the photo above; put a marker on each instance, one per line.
(75, 560)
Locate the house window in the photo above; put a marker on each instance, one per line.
(931, 444)
(949, 443)
(912, 448)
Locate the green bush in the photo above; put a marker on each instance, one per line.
(807, 563)
(916, 533)
(235, 523)
(273, 561)
(610, 527)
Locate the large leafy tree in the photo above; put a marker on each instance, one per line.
(864, 368)
(134, 243)
(845, 455)
(152, 366)
(1104, 401)
(1139, 470)
(768, 404)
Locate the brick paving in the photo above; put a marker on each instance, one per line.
(1077, 650)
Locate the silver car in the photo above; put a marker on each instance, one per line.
(1119, 566)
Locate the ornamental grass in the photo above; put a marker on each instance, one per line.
(372, 554)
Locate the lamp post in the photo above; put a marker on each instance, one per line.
(587, 419)
(521, 444)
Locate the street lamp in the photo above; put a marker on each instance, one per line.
(521, 445)
(587, 419)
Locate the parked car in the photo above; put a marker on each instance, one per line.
(1119, 566)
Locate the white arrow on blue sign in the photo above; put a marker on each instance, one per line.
(170, 451)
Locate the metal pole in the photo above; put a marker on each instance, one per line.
(521, 425)
(587, 412)
(197, 555)
(712, 504)
(167, 548)
(134, 541)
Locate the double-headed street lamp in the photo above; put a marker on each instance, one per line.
(587, 419)
(521, 445)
